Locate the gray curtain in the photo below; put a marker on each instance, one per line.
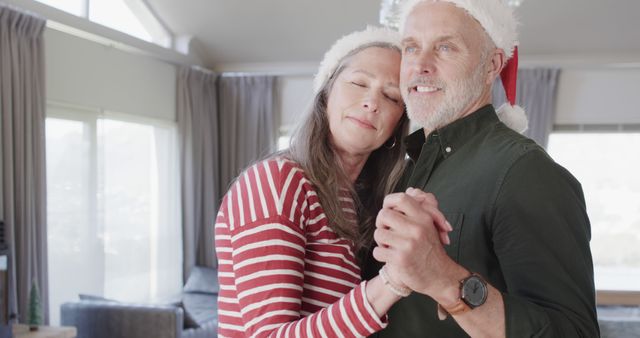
(247, 123)
(536, 93)
(22, 111)
(225, 123)
(198, 127)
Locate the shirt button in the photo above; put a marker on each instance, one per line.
(447, 149)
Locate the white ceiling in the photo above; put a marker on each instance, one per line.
(298, 31)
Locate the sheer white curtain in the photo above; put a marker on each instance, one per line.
(113, 207)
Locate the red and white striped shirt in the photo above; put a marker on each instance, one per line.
(282, 271)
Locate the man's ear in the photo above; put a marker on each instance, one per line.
(497, 61)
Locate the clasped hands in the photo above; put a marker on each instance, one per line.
(411, 233)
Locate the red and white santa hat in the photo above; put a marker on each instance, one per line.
(499, 21)
(347, 44)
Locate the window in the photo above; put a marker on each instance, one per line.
(113, 207)
(607, 166)
(116, 14)
(284, 137)
(76, 7)
(133, 17)
(283, 142)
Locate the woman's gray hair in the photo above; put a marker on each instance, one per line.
(311, 148)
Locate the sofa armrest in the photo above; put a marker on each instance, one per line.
(95, 319)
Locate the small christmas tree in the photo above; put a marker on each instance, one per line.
(35, 309)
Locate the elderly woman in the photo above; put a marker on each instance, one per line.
(289, 229)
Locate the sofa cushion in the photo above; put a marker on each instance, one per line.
(95, 298)
(202, 280)
(619, 321)
(203, 307)
(189, 321)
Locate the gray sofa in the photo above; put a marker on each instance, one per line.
(619, 321)
(193, 314)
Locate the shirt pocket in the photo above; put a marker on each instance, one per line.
(456, 220)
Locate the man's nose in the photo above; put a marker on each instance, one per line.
(424, 62)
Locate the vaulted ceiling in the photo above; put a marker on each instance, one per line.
(298, 31)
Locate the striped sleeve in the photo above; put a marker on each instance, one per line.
(268, 261)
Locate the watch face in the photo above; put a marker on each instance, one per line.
(474, 291)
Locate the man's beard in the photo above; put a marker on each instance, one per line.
(458, 95)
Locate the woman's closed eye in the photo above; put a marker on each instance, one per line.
(358, 83)
(392, 98)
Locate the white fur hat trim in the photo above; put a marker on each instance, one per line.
(513, 117)
(349, 43)
(497, 19)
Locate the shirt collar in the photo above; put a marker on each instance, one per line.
(454, 135)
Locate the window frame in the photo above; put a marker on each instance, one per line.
(91, 117)
(605, 297)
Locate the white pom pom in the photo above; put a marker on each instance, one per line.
(513, 117)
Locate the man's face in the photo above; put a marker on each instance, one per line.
(443, 75)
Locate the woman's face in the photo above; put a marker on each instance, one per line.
(364, 105)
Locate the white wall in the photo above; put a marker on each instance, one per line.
(295, 97)
(89, 74)
(599, 96)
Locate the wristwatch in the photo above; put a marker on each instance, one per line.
(473, 293)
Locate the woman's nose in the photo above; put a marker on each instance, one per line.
(371, 102)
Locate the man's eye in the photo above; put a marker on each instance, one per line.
(409, 49)
(444, 48)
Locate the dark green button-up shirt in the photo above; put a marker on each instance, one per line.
(519, 220)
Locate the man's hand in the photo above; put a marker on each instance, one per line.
(409, 233)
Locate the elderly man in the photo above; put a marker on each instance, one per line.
(519, 263)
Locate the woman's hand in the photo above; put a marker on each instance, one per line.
(430, 204)
(392, 276)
